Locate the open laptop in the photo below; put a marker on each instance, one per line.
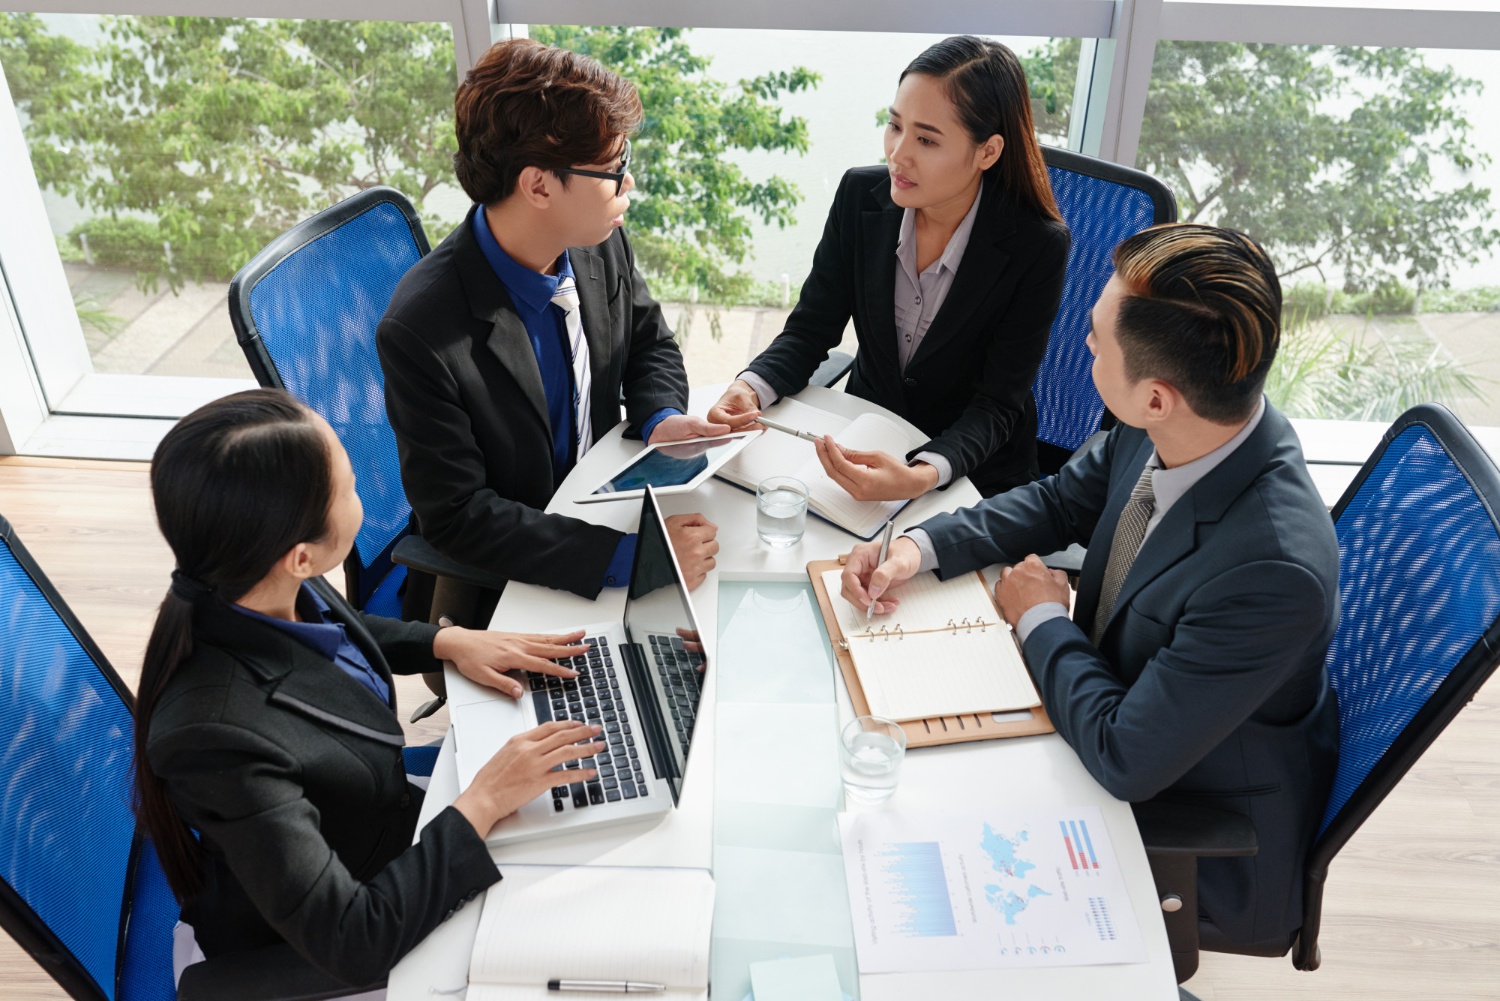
(641, 681)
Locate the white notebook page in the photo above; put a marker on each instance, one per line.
(536, 924)
(948, 672)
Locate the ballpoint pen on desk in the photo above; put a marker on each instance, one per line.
(612, 986)
(885, 550)
(784, 429)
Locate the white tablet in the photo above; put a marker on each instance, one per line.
(673, 467)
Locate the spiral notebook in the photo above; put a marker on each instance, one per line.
(923, 658)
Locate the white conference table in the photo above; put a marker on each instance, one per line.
(1037, 771)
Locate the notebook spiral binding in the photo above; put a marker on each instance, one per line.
(886, 633)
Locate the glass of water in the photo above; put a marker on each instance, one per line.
(870, 754)
(781, 511)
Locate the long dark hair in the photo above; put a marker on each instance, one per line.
(987, 85)
(237, 483)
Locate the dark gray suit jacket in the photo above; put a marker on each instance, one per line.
(969, 383)
(1208, 684)
(464, 395)
(291, 772)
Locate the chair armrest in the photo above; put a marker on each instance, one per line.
(1188, 829)
(834, 368)
(272, 973)
(417, 553)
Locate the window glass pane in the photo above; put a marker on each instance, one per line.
(747, 134)
(171, 149)
(1368, 174)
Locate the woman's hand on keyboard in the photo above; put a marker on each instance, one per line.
(483, 656)
(522, 770)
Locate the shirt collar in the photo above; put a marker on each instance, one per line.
(906, 244)
(1170, 485)
(527, 288)
(314, 631)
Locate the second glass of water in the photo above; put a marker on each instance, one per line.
(781, 511)
(870, 754)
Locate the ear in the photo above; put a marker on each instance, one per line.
(1162, 401)
(298, 562)
(990, 150)
(534, 187)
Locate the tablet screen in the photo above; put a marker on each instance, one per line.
(668, 465)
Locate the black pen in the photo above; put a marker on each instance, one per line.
(613, 986)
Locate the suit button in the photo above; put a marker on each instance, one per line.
(910, 381)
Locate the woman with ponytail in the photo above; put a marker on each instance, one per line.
(268, 755)
(949, 258)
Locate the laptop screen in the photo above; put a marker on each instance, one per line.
(667, 663)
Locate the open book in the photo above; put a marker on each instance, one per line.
(543, 923)
(777, 454)
(944, 651)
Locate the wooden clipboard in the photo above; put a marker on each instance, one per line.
(919, 732)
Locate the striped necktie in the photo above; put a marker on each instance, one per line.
(566, 299)
(1130, 532)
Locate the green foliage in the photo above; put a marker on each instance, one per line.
(1321, 374)
(228, 131)
(1482, 299)
(690, 220)
(1328, 155)
(127, 242)
(91, 314)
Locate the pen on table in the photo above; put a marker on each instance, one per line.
(885, 550)
(613, 986)
(784, 429)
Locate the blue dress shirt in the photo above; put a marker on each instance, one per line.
(531, 292)
(320, 633)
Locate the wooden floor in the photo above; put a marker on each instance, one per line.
(1413, 903)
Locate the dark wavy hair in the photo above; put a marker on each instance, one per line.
(987, 85)
(237, 484)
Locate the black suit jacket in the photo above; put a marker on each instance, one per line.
(465, 398)
(969, 383)
(291, 772)
(1208, 683)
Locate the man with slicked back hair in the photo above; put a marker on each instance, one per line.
(507, 349)
(1191, 667)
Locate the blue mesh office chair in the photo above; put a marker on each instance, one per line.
(1419, 633)
(80, 889)
(1102, 203)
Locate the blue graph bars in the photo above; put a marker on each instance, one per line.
(920, 885)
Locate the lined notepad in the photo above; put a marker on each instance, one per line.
(544, 923)
(777, 454)
(944, 651)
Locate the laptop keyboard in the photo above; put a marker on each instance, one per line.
(682, 680)
(594, 697)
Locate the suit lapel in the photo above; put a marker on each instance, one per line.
(593, 308)
(976, 281)
(881, 232)
(343, 612)
(490, 303)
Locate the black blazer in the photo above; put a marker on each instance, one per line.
(1208, 685)
(291, 772)
(465, 398)
(969, 383)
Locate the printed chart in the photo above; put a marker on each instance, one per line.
(964, 891)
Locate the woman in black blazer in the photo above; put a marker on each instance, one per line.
(950, 261)
(265, 719)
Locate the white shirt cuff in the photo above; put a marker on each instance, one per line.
(924, 544)
(763, 390)
(939, 462)
(1037, 614)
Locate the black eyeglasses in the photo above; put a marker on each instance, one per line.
(618, 176)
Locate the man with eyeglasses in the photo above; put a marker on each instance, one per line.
(507, 348)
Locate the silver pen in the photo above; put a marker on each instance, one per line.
(612, 986)
(885, 550)
(784, 429)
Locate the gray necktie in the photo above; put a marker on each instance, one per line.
(566, 299)
(1129, 533)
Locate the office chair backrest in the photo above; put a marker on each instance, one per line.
(304, 311)
(1102, 203)
(79, 890)
(1419, 618)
